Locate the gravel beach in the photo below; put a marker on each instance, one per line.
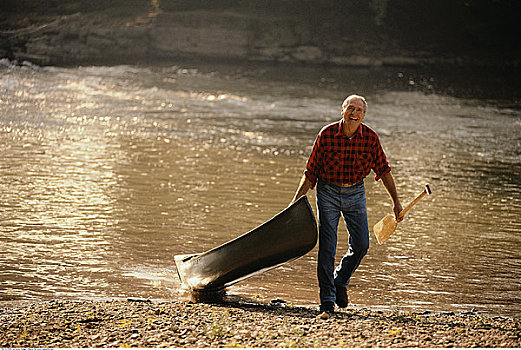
(145, 323)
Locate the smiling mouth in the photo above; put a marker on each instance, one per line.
(354, 119)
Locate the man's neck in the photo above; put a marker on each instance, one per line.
(349, 132)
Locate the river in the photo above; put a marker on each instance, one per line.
(108, 172)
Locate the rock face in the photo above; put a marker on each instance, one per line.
(97, 38)
(200, 34)
(126, 34)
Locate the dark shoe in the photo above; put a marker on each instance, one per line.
(327, 307)
(341, 296)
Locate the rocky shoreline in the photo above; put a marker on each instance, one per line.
(242, 323)
(109, 38)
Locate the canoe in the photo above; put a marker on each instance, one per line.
(287, 236)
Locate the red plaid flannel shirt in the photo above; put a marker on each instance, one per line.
(336, 158)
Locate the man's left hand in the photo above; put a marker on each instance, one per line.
(397, 209)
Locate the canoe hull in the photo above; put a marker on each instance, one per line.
(285, 237)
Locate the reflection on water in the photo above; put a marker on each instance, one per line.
(108, 172)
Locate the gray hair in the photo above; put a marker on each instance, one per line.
(355, 97)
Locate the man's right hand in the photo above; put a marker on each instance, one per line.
(302, 189)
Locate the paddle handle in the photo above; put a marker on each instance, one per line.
(426, 190)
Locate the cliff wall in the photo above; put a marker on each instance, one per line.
(150, 32)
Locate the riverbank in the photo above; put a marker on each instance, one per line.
(144, 323)
(152, 34)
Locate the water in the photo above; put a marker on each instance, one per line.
(108, 172)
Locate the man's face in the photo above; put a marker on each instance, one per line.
(353, 112)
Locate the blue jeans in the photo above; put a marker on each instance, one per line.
(351, 203)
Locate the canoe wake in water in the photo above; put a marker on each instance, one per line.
(287, 236)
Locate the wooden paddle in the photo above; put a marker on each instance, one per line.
(385, 227)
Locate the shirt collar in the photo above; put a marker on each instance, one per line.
(340, 131)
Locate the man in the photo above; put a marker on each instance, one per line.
(343, 155)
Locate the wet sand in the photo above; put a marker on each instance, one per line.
(240, 323)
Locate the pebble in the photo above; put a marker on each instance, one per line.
(72, 324)
(323, 316)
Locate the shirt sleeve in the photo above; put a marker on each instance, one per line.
(381, 166)
(313, 164)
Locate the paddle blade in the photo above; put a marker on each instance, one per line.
(384, 228)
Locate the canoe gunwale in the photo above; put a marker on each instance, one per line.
(291, 234)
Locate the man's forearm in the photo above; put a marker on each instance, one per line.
(390, 186)
(302, 189)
